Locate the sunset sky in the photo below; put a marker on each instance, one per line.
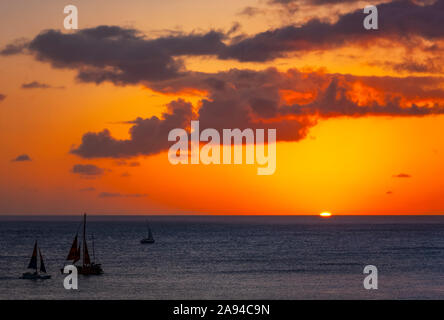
(84, 114)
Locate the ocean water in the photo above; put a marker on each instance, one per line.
(226, 257)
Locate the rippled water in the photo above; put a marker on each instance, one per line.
(231, 257)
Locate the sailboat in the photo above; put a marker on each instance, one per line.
(150, 238)
(33, 265)
(77, 251)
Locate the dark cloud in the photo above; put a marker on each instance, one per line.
(245, 98)
(288, 7)
(87, 170)
(398, 21)
(430, 65)
(335, 102)
(254, 99)
(256, 95)
(125, 56)
(251, 11)
(428, 88)
(120, 195)
(148, 136)
(16, 47)
(35, 85)
(237, 99)
(2, 97)
(402, 175)
(22, 157)
(122, 56)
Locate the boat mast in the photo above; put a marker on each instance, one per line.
(84, 237)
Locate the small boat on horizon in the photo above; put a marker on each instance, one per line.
(149, 239)
(33, 265)
(88, 267)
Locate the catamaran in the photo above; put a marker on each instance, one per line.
(150, 238)
(88, 267)
(33, 265)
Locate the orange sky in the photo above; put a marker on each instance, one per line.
(345, 165)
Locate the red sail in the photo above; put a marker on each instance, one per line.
(77, 257)
(73, 251)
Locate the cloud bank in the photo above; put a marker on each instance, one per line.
(290, 101)
(126, 56)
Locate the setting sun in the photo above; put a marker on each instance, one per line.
(325, 214)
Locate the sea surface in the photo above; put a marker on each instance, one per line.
(228, 257)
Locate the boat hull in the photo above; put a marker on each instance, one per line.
(147, 241)
(94, 269)
(35, 276)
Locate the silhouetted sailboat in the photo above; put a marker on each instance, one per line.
(88, 267)
(150, 238)
(33, 265)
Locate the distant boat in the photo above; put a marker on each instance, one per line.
(88, 267)
(33, 265)
(150, 238)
